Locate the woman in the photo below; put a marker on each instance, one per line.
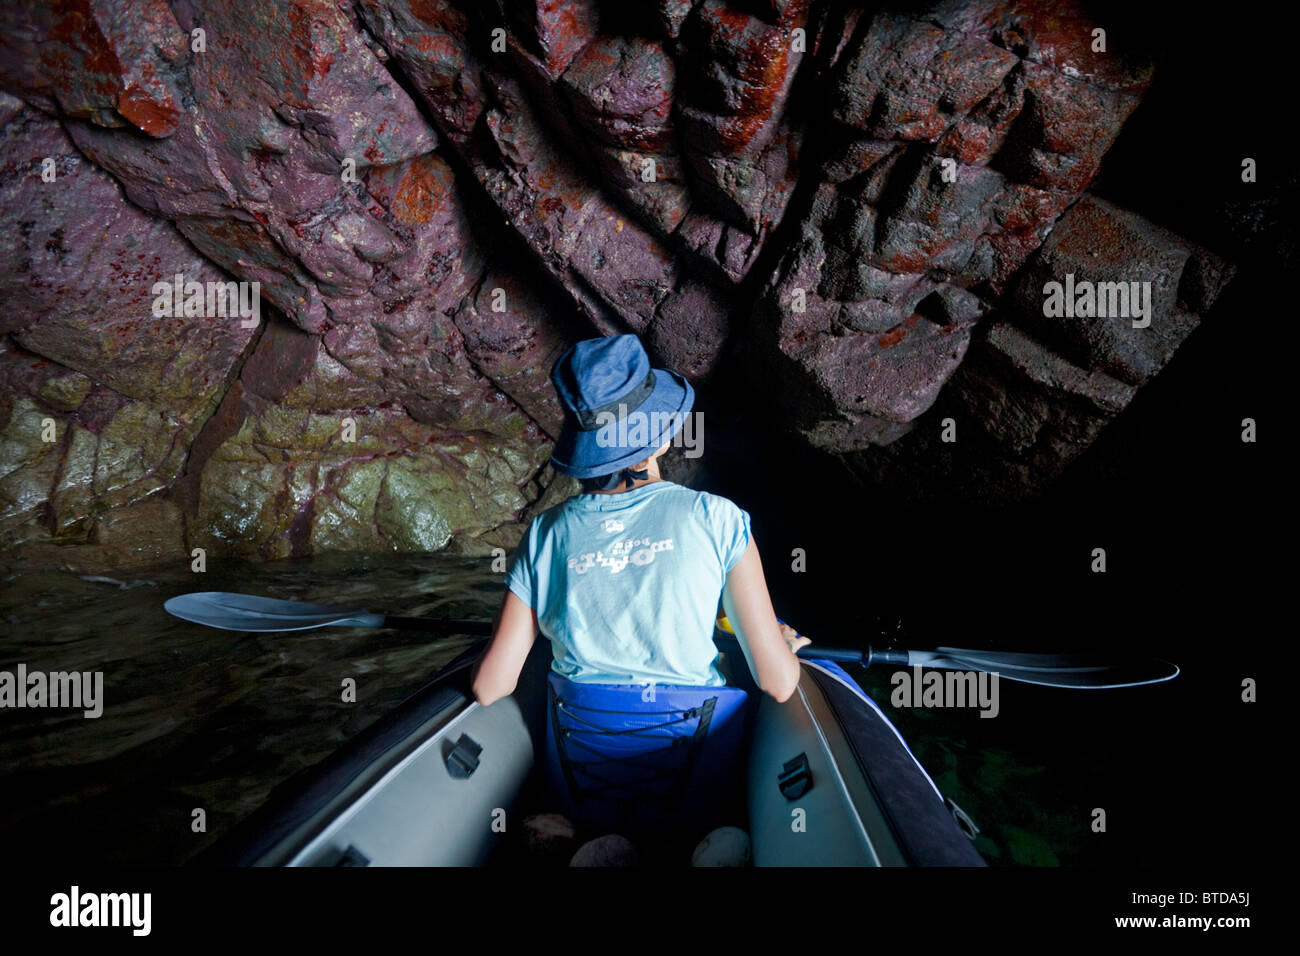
(625, 577)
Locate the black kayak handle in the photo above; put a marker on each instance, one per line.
(843, 654)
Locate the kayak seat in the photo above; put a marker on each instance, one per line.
(646, 758)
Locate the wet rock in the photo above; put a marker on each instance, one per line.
(143, 535)
(79, 278)
(113, 62)
(937, 222)
(396, 296)
(909, 77)
(621, 89)
(737, 74)
(1126, 265)
(289, 483)
(123, 390)
(555, 30)
(549, 835)
(725, 846)
(261, 174)
(609, 850)
(429, 37)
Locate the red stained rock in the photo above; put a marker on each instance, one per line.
(683, 333)
(1065, 129)
(976, 137)
(935, 216)
(255, 175)
(1023, 207)
(389, 289)
(737, 73)
(1060, 35)
(429, 36)
(909, 77)
(1099, 243)
(112, 62)
(621, 89)
(894, 377)
(515, 347)
(555, 30)
(79, 277)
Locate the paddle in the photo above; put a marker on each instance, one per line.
(1072, 670)
(245, 612)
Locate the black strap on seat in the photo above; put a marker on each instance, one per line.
(570, 740)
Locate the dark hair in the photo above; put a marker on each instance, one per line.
(611, 481)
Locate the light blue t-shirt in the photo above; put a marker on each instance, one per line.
(626, 586)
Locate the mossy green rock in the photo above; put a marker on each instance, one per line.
(289, 484)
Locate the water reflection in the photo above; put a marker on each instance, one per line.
(199, 718)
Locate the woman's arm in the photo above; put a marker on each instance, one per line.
(497, 672)
(749, 608)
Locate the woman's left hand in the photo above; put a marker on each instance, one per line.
(793, 638)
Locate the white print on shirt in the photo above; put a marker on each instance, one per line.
(612, 525)
(640, 551)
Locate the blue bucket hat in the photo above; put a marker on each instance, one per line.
(617, 408)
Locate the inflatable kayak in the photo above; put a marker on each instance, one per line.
(823, 779)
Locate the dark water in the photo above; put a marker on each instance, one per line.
(196, 717)
(199, 718)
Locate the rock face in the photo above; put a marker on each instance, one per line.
(101, 400)
(549, 836)
(609, 850)
(435, 196)
(725, 846)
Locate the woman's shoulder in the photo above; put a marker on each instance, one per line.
(713, 508)
(671, 490)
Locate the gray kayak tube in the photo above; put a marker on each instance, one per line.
(829, 782)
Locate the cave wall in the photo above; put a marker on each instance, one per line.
(858, 205)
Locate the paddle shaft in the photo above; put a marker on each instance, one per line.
(868, 657)
(251, 613)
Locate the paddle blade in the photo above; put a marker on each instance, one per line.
(247, 612)
(1078, 671)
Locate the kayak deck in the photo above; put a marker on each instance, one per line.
(444, 781)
